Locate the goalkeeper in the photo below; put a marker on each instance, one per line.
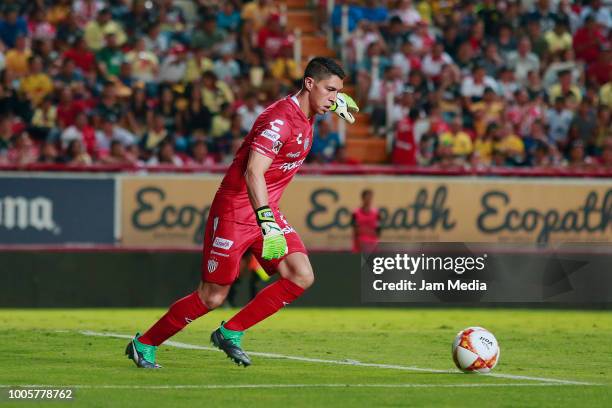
(245, 215)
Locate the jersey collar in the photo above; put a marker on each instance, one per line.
(297, 105)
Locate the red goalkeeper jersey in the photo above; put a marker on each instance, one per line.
(283, 133)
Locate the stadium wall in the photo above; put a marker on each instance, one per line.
(170, 210)
(145, 279)
(114, 240)
(91, 279)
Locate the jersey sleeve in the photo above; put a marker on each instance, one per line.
(270, 134)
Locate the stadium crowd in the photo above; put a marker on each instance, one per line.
(474, 83)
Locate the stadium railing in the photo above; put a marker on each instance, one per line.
(331, 169)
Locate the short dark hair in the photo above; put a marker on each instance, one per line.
(366, 192)
(322, 68)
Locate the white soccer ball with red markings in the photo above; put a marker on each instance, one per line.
(475, 350)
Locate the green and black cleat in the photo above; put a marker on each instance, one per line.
(229, 341)
(143, 355)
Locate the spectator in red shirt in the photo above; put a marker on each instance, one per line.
(39, 27)
(23, 151)
(600, 72)
(81, 131)
(67, 108)
(366, 224)
(270, 38)
(404, 149)
(477, 39)
(588, 40)
(83, 58)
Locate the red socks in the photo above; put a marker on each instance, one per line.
(185, 310)
(181, 313)
(266, 303)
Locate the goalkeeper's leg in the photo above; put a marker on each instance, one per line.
(296, 276)
(208, 296)
(224, 245)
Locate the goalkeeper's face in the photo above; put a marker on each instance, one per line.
(323, 92)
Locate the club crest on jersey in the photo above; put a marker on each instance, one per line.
(306, 143)
(223, 243)
(212, 265)
(270, 135)
(277, 146)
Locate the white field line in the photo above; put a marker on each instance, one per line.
(243, 386)
(344, 362)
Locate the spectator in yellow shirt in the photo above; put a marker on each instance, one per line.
(145, 64)
(44, 120)
(459, 140)
(565, 88)
(16, 59)
(37, 84)
(96, 30)
(605, 94)
(558, 39)
(284, 68)
(221, 122)
(45, 116)
(198, 62)
(487, 110)
(510, 145)
(215, 93)
(258, 12)
(483, 145)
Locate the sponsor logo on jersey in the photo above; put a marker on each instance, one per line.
(223, 243)
(294, 155)
(213, 252)
(271, 135)
(212, 265)
(292, 165)
(276, 122)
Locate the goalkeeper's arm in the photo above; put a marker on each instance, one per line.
(255, 181)
(274, 243)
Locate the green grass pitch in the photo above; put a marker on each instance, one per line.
(566, 354)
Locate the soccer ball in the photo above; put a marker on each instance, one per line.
(475, 350)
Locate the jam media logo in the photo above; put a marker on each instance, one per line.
(21, 213)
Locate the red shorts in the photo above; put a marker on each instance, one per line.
(226, 241)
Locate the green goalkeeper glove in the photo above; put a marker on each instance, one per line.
(274, 243)
(344, 106)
